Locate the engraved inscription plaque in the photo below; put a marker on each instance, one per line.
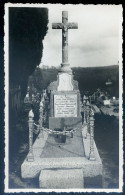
(65, 105)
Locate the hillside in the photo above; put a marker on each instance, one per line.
(89, 79)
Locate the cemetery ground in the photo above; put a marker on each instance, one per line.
(106, 139)
(106, 130)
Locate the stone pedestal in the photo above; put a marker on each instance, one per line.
(64, 103)
(61, 166)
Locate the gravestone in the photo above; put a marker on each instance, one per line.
(64, 93)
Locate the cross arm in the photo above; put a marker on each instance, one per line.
(57, 25)
(72, 25)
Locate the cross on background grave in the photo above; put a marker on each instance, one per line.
(64, 26)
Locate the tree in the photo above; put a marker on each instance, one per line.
(27, 29)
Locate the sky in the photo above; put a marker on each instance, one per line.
(94, 43)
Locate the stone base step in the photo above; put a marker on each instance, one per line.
(61, 179)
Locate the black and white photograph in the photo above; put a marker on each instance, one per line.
(63, 97)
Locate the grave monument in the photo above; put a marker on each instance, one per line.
(64, 93)
(64, 155)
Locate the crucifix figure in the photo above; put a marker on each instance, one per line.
(65, 26)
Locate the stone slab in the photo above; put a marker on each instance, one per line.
(84, 131)
(61, 179)
(69, 122)
(71, 147)
(33, 169)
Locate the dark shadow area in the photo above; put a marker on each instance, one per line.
(107, 141)
(27, 29)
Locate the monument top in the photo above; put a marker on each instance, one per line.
(65, 26)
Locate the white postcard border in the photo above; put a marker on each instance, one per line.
(6, 69)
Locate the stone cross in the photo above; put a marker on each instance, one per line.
(64, 26)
